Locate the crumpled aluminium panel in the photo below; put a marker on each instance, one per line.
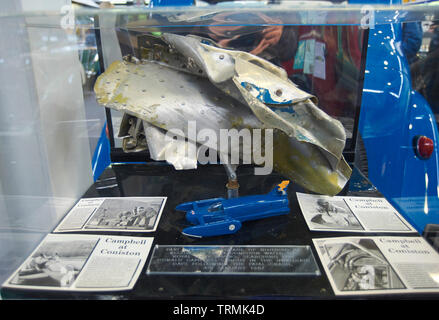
(190, 78)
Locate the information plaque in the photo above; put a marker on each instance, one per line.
(248, 260)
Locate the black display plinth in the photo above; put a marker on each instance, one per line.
(158, 179)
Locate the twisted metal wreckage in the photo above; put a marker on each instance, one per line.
(189, 78)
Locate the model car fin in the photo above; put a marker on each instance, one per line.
(283, 185)
(281, 188)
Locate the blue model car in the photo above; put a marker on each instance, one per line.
(219, 216)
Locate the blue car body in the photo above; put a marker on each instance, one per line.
(392, 116)
(219, 216)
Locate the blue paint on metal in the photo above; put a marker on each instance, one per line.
(101, 157)
(392, 115)
(264, 95)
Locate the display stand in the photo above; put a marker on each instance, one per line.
(181, 186)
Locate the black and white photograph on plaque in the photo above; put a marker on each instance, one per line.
(329, 213)
(359, 265)
(353, 214)
(379, 264)
(133, 214)
(82, 262)
(55, 264)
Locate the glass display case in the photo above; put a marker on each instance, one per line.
(219, 150)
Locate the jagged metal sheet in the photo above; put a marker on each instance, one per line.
(223, 89)
(168, 99)
(266, 89)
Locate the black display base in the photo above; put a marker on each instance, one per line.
(158, 179)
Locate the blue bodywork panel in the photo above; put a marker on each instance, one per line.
(219, 216)
(392, 116)
(101, 157)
